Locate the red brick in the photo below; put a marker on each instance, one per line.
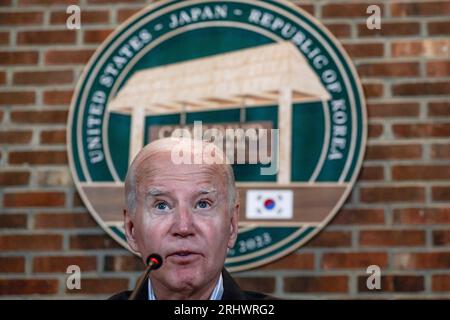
(339, 30)
(123, 263)
(393, 109)
(427, 8)
(391, 238)
(34, 199)
(114, 1)
(393, 69)
(60, 263)
(421, 88)
(92, 242)
(371, 173)
(13, 221)
(2, 78)
(257, 284)
(364, 50)
(375, 130)
(359, 217)
(38, 157)
(17, 97)
(441, 193)
(420, 172)
(347, 10)
(440, 282)
(47, 2)
(43, 77)
(392, 194)
(46, 37)
(440, 151)
(4, 37)
(438, 68)
(441, 237)
(14, 178)
(106, 286)
(77, 201)
(15, 137)
(50, 117)
(396, 151)
(68, 56)
(87, 17)
(394, 283)
(12, 264)
(438, 28)
(373, 90)
(437, 109)
(53, 137)
(63, 221)
(124, 14)
(307, 7)
(312, 284)
(18, 57)
(406, 48)
(96, 36)
(42, 242)
(422, 260)
(58, 97)
(427, 47)
(293, 261)
(353, 260)
(28, 286)
(15, 18)
(390, 29)
(421, 130)
(422, 216)
(331, 239)
(54, 178)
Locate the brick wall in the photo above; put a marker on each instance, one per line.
(397, 217)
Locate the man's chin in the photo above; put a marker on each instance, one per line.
(184, 281)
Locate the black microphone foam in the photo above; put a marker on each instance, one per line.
(155, 260)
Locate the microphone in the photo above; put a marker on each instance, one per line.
(153, 261)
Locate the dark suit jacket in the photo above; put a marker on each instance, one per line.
(231, 291)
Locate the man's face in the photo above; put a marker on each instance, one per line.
(183, 214)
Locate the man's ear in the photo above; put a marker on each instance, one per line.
(129, 230)
(234, 226)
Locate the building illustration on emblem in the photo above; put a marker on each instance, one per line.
(269, 74)
(266, 75)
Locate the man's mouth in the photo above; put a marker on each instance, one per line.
(183, 256)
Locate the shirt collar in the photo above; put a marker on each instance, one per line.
(215, 295)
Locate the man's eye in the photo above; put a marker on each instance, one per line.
(162, 205)
(202, 204)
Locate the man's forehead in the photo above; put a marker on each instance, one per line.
(157, 190)
(167, 177)
(161, 165)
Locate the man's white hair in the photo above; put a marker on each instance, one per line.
(186, 145)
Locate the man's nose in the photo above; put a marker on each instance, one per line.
(183, 224)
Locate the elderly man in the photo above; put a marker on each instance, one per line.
(187, 211)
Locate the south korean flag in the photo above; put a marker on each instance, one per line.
(269, 204)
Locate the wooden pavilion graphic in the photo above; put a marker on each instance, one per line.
(273, 74)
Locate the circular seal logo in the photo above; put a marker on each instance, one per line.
(237, 66)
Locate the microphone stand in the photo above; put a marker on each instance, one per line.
(154, 261)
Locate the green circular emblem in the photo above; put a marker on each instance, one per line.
(229, 64)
